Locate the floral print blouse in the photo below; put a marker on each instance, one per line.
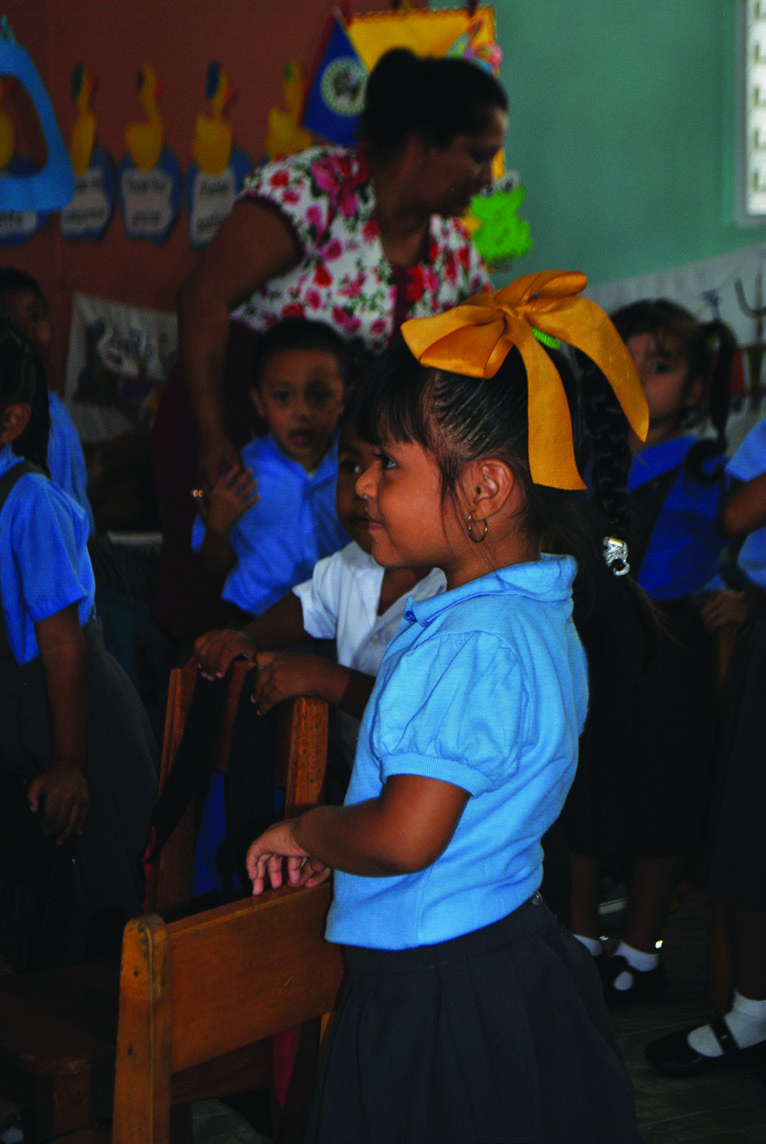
(327, 197)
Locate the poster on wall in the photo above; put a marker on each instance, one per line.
(88, 213)
(216, 174)
(149, 175)
(119, 358)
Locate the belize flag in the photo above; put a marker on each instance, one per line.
(336, 96)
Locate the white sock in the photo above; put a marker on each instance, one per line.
(747, 1024)
(592, 944)
(637, 959)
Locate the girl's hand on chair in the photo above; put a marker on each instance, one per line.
(216, 651)
(62, 793)
(266, 860)
(230, 498)
(282, 675)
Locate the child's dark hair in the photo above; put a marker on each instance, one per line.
(12, 279)
(22, 379)
(665, 319)
(301, 334)
(460, 419)
(436, 99)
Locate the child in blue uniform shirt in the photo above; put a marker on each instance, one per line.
(646, 760)
(468, 1013)
(76, 748)
(23, 303)
(267, 522)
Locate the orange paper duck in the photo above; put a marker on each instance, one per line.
(82, 86)
(145, 139)
(211, 146)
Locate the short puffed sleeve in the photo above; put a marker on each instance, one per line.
(749, 461)
(456, 710)
(308, 188)
(48, 534)
(320, 599)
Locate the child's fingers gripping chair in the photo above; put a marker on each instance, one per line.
(58, 1027)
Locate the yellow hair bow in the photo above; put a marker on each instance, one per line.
(475, 337)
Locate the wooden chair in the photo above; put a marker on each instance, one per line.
(58, 1027)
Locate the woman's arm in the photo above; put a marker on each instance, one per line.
(402, 831)
(61, 644)
(745, 507)
(251, 246)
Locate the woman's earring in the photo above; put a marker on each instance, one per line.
(472, 524)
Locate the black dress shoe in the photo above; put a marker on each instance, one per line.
(646, 985)
(674, 1055)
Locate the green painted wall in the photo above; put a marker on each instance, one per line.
(623, 120)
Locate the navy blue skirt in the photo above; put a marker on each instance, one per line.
(496, 1037)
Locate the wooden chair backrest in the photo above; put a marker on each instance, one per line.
(196, 989)
(300, 770)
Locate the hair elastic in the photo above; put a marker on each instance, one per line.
(616, 553)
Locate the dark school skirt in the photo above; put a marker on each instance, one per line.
(735, 857)
(497, 1037)
(647, 753)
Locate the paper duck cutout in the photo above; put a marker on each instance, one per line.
(215, 176)
(149, 176)
(90, 208)
(211, 146)
(33, 190)
(285, 135)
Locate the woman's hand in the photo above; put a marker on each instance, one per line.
(266, 860)
(218, 456)
(62, 792)
(216, 651)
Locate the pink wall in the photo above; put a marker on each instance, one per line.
(251, 38)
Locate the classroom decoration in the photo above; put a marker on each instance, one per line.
(475, 337)
(149, 176)
(497, 232)
(90, 209)
(285, 135)
(28, 191)
(119, 358)
(336, 93)
(218, 170)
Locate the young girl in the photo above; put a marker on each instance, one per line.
(76, 748)
(468, 1013)
(647, 754)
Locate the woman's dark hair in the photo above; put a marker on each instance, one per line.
(461, 419)
(713, 366)
(301, 334)
(22, 379)
(13, 279)
(436, 99)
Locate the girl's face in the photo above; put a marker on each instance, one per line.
(664, 375)
(409, 525)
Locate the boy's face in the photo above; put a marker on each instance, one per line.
(354, 457)
(29, 313)
(300, 396)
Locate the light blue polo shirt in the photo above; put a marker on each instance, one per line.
(44, 562)
(685, 546)
(293, 524)
(748, 462)
(484, 687)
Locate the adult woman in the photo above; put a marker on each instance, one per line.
(363, 238)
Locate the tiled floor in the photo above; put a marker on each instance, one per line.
(726, 1105)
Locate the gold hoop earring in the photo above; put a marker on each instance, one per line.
(470, 525)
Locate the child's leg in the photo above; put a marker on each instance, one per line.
(652, 884)
(584, 914)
